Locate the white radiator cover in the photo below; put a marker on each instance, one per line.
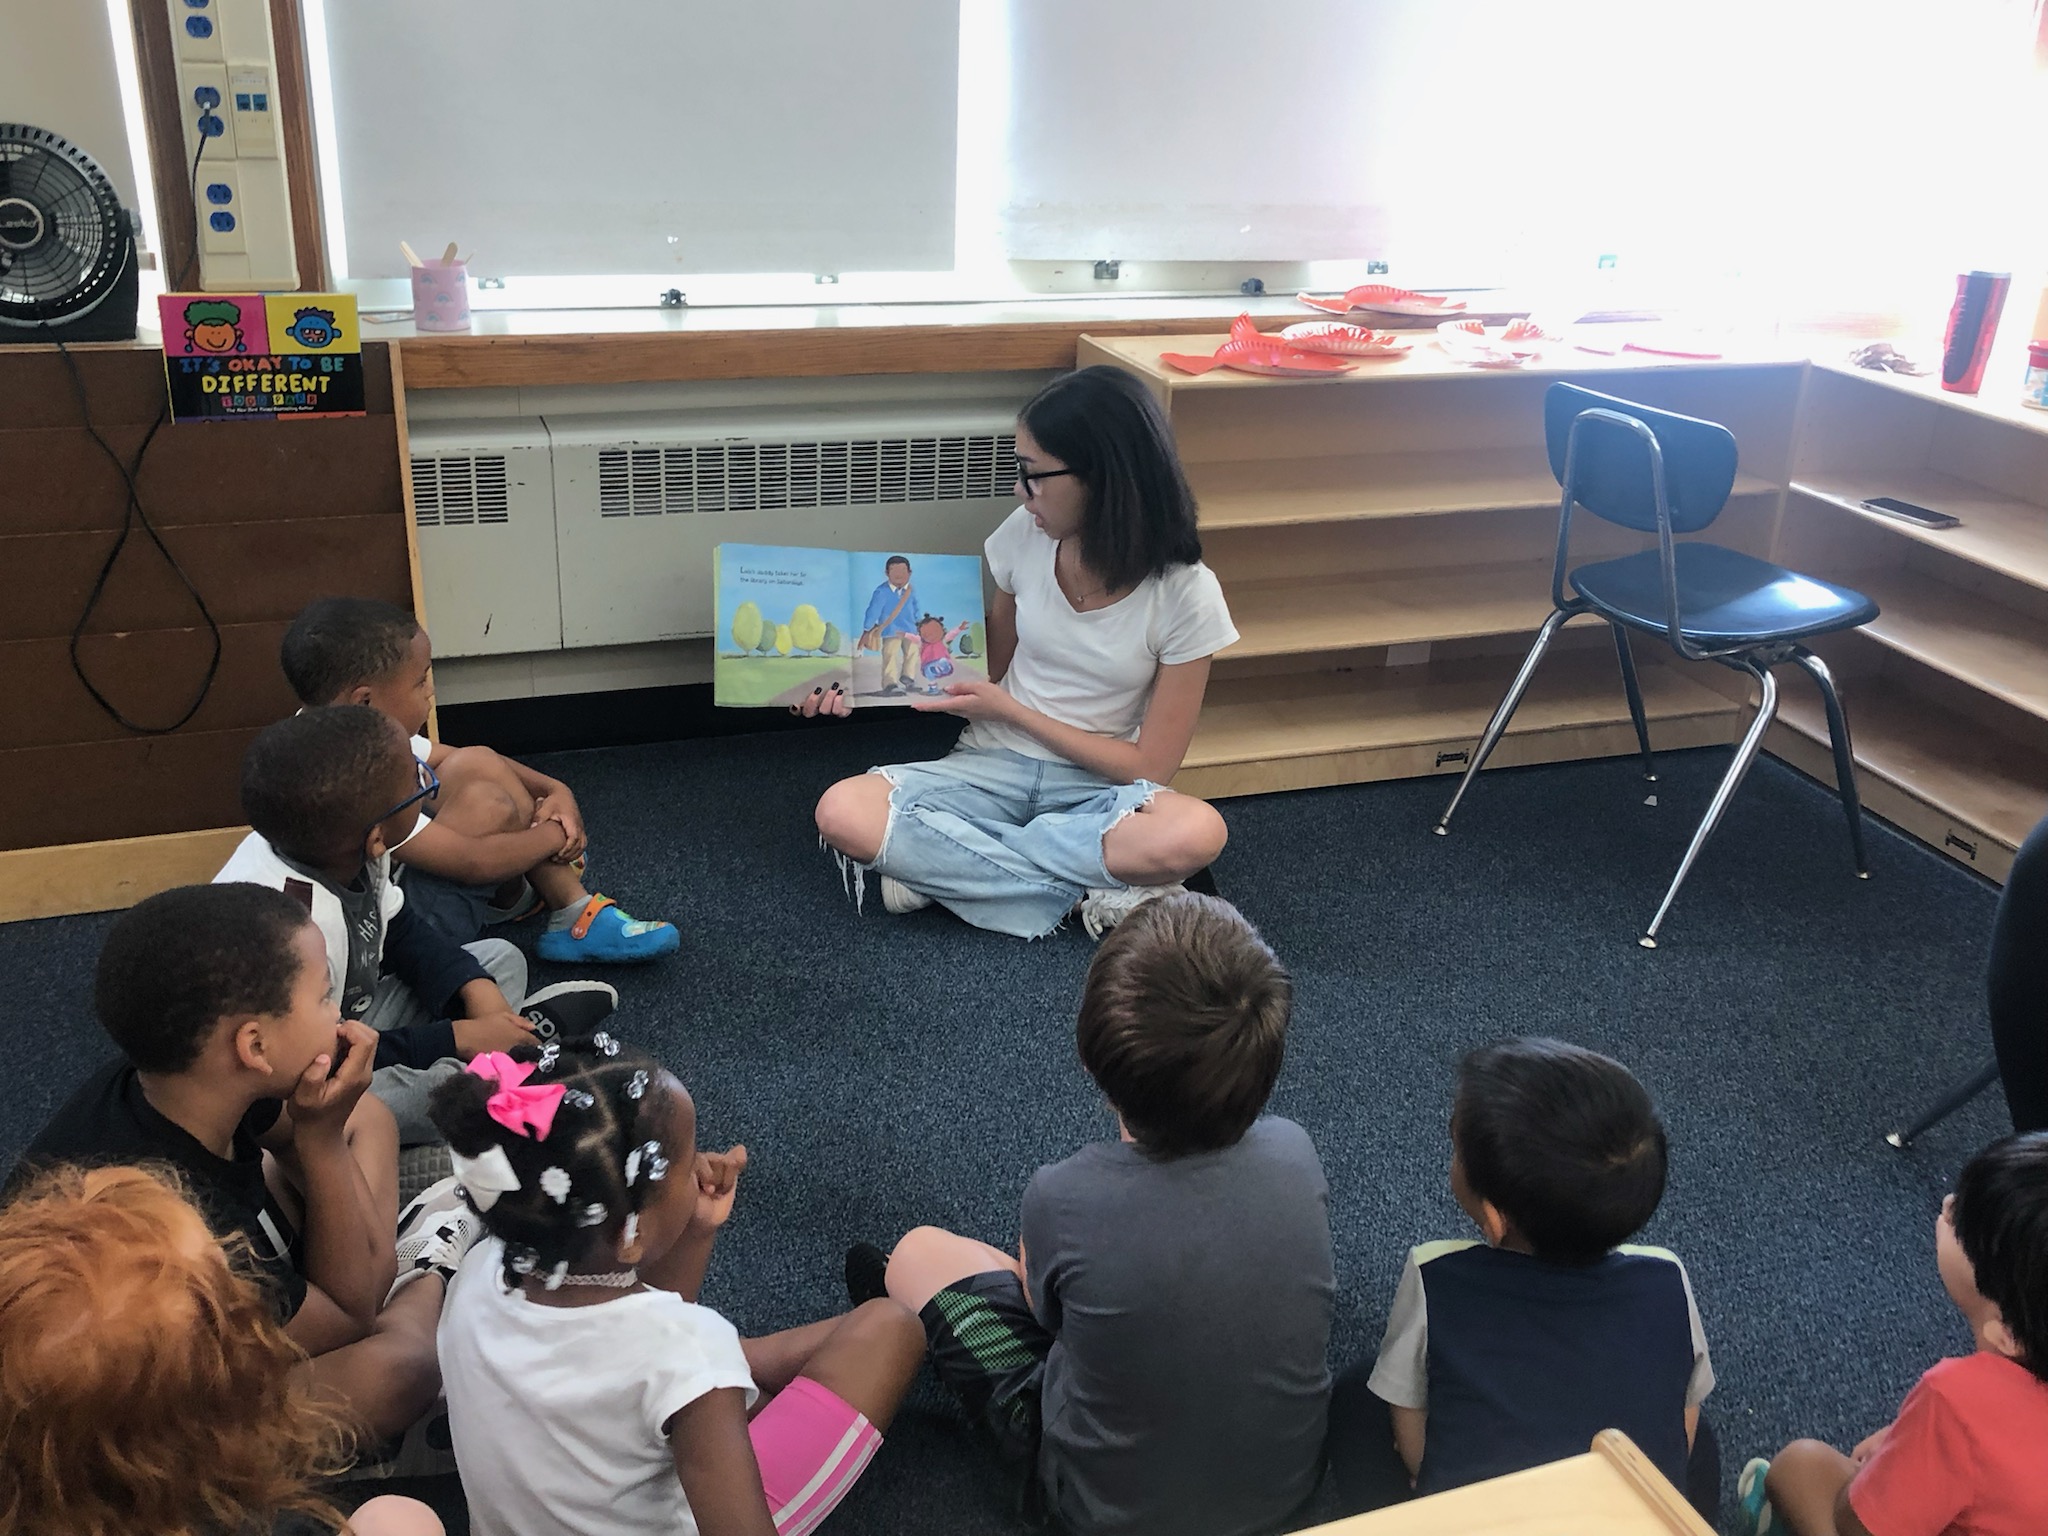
(562, 532)
(483, 496)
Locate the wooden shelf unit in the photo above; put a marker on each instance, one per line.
(1302, 730)
(1947, 690)
(1385, 541)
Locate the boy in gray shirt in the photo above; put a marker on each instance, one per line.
(1157, 1347)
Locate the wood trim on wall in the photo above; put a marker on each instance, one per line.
(301, 162)
(170, 162)
(412, 523)
(482, 362)
(100, 877)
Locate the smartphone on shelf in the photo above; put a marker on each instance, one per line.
(1907, 512)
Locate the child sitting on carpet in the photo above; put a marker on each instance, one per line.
(1516, 1351)
(329, 793)
(501, 842)
(589, 1394)
(1154, 1359)
(1968, 1453)
(235, 1064)
(148, 1386)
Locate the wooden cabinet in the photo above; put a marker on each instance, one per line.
(1385, 540)
(1947, 690)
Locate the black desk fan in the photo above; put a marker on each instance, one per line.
(67, 246)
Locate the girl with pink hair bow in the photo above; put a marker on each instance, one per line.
(588, 1390)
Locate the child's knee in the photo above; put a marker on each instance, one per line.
(918, 1244)
(390, 1515)
(479, 788)
(890, 1329)
(1804, 1467)
(372, 1125)
(505, 963)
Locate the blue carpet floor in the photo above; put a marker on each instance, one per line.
(890, 1071)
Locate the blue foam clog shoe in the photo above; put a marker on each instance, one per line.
(606, 935)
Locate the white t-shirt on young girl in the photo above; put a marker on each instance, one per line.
(557, 1412)
(1093, 670)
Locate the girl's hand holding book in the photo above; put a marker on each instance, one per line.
(971, 698)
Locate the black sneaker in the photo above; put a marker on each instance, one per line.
(570, 1009)
(867, 1272)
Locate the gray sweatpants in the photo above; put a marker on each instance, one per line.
(404, 1090)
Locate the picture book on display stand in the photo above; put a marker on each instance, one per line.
(888, 627)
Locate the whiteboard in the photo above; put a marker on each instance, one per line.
(646, 136)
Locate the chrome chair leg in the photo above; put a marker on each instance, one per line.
(1627, 658)
(1952, 1100)
(1504, 713)
(1845, 758)
(1745, 754)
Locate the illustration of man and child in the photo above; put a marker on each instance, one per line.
(917, 654)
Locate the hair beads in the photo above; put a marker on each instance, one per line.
(573, 1194)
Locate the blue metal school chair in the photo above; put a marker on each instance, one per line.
(1657, 472)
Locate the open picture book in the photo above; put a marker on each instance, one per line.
(887, 627)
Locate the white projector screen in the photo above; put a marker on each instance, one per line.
(646, 136)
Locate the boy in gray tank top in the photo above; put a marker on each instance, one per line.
(1156, 1351)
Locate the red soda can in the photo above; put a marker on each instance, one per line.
(1972, 323)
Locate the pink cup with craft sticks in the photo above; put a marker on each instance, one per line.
(440, 291)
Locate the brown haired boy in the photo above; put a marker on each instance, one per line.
(1157, 1349)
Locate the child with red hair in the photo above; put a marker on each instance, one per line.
(145, 1384)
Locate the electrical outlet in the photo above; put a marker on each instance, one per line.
(206, 87)
(226, 65)
(195, 34)
(220, 210)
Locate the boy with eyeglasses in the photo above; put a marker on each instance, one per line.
(329, 793)
(502, 842)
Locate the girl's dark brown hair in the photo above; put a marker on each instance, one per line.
(144, 1383)
(1140, 519)
(1184, 1023)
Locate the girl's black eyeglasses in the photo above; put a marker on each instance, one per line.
(1030, 479)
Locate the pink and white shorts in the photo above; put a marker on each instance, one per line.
(812, 1445)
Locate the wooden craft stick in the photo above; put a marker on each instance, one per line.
(411, 256)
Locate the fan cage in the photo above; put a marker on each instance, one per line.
(76, 261)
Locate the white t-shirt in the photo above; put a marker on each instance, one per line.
(557, 1412)
(1093, 670)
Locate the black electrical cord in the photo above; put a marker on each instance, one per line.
(192, 261)
(132, 513)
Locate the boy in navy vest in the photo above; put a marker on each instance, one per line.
(1508, 1353)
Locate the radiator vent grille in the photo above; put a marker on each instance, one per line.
(756, 477)
(460, 492)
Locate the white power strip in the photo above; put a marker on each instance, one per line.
(227, 97)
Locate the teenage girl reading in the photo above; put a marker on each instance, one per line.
(588, 1393)
(1101, 632)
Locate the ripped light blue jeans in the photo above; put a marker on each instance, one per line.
(1007, 842)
